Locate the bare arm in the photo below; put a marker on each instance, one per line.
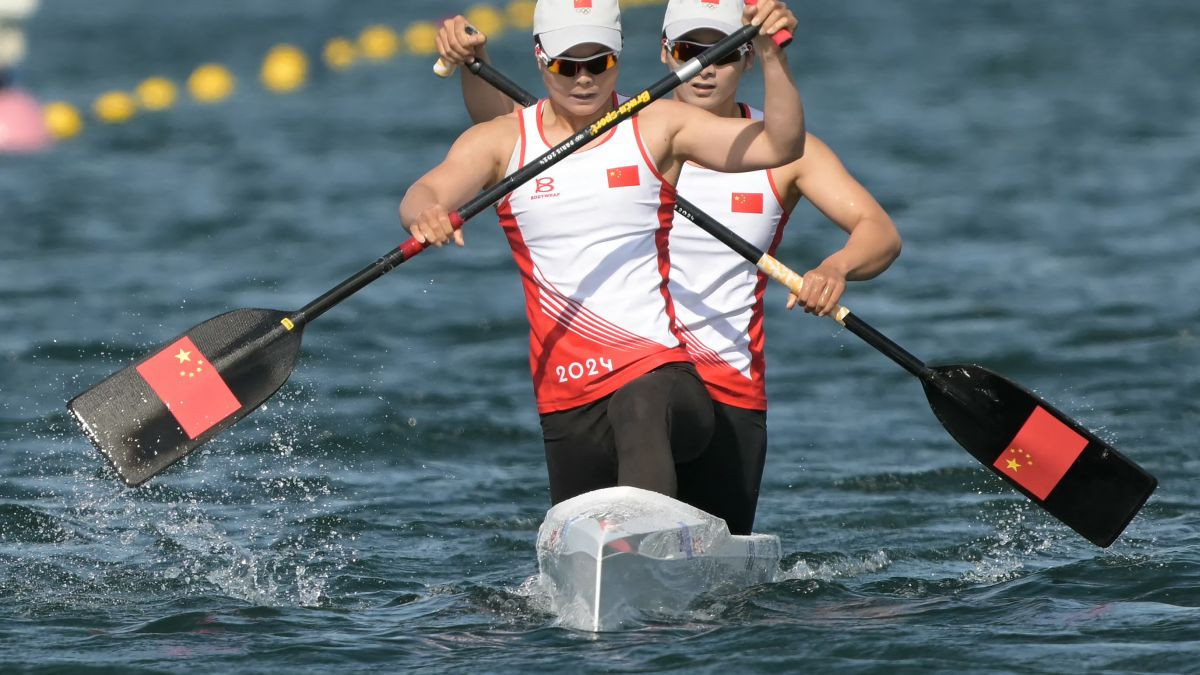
(730, 145)
(477, 159)
(456, 46)
(873, 243)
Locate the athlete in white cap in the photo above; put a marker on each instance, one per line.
(717, 295)
(620, 402)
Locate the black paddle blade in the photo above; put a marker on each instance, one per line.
(151, 414)
(1061, 466)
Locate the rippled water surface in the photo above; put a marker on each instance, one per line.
(380, 512)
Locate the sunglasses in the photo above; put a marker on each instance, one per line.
(571, 67)
(681, 51)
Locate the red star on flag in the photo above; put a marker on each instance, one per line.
(624, 176)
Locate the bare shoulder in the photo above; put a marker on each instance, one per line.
(495, 136)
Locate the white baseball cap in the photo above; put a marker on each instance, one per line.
(684, 16)
(563, 24)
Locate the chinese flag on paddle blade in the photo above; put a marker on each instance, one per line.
(189, 386)
(623, 176)
(1040, 454)
(747, 202)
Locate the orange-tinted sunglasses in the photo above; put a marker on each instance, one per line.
(570, 67)
(682, 50)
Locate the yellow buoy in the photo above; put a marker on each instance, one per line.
(156, 93)
(520, 14)
(114, 107)
(487, 19)
(210, 83)
(339, 54)
(378, 43)
(284, 69)
(62, 120)
(421, 38)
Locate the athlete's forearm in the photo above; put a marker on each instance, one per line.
(783, 110)
(873, 244)
(419, 197)
(484, 102)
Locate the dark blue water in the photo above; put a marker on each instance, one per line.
(380, 512)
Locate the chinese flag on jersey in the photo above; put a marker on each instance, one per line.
(623, 176)
(1040, 454)
(747, 202)
(189, 386)
(583, 4)
(710, 2)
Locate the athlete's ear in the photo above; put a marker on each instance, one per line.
(662, 52)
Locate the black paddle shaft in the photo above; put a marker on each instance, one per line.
(495, 193)
(1097, 496)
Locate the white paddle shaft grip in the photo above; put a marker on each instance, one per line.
(443, 69)
(794, 282)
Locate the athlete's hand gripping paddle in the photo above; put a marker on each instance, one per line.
(152, 413)
(1053, 460)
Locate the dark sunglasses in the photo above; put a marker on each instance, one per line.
(681, 51)
(571, 67)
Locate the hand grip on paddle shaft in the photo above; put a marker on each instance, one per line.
(413, 247)
(792, 280)
(781, 38)
(443, 69)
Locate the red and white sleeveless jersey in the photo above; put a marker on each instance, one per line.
(590, 238)
(717, 294)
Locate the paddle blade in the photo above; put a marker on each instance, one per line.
(1063, 467)
(151, 414)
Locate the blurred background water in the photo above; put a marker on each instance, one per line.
(380, 512)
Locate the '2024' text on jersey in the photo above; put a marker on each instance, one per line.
(590, 239)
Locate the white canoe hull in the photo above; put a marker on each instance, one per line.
(610, 557)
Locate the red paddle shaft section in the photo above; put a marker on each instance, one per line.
(413, 247)
(782, 38)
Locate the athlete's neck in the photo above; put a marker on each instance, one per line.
(728, 108)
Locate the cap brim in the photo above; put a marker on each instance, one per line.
(557, 42)
(676, 29)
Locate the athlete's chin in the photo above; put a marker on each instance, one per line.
(583, 105)
(706, 98)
